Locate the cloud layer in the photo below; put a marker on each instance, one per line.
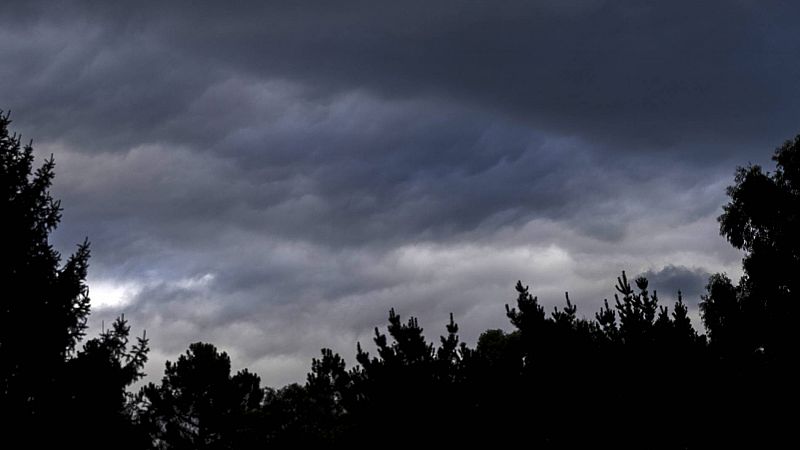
(273, 177)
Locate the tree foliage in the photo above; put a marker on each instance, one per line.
(45, 304)
(198, 404)
(763, 218)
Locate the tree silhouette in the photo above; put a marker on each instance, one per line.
(318, 413)
(48, 386)
(751, 324)
(762, 218)
(411, 385)
(45, 305)
(97, 379)
(199, 405)
(724, 318)
(636, 374)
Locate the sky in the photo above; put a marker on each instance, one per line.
(272, 177)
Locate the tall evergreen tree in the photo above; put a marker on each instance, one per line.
(49, 386)
(45, 304)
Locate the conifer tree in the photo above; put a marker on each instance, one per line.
(199, 405)
(48, 383)
(44, 308)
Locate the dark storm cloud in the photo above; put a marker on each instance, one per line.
(358, 172)
(273, 176)
(670, 279)
(643, 74)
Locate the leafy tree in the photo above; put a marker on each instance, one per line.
(762, 218)
(724, 319)
(751, 324)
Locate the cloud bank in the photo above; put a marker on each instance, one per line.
(274, 177)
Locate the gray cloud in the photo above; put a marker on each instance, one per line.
(671, 279)
(273, 177)
(641, 74)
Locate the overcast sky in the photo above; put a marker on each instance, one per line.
(272, 178)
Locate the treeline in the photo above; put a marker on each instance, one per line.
(560, 378)
(635, 375)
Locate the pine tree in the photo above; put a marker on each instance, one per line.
(199, 405)
(45, 304)
(48, 385)
(97, 382)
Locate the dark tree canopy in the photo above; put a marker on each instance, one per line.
(198, 404)
(763, 219)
